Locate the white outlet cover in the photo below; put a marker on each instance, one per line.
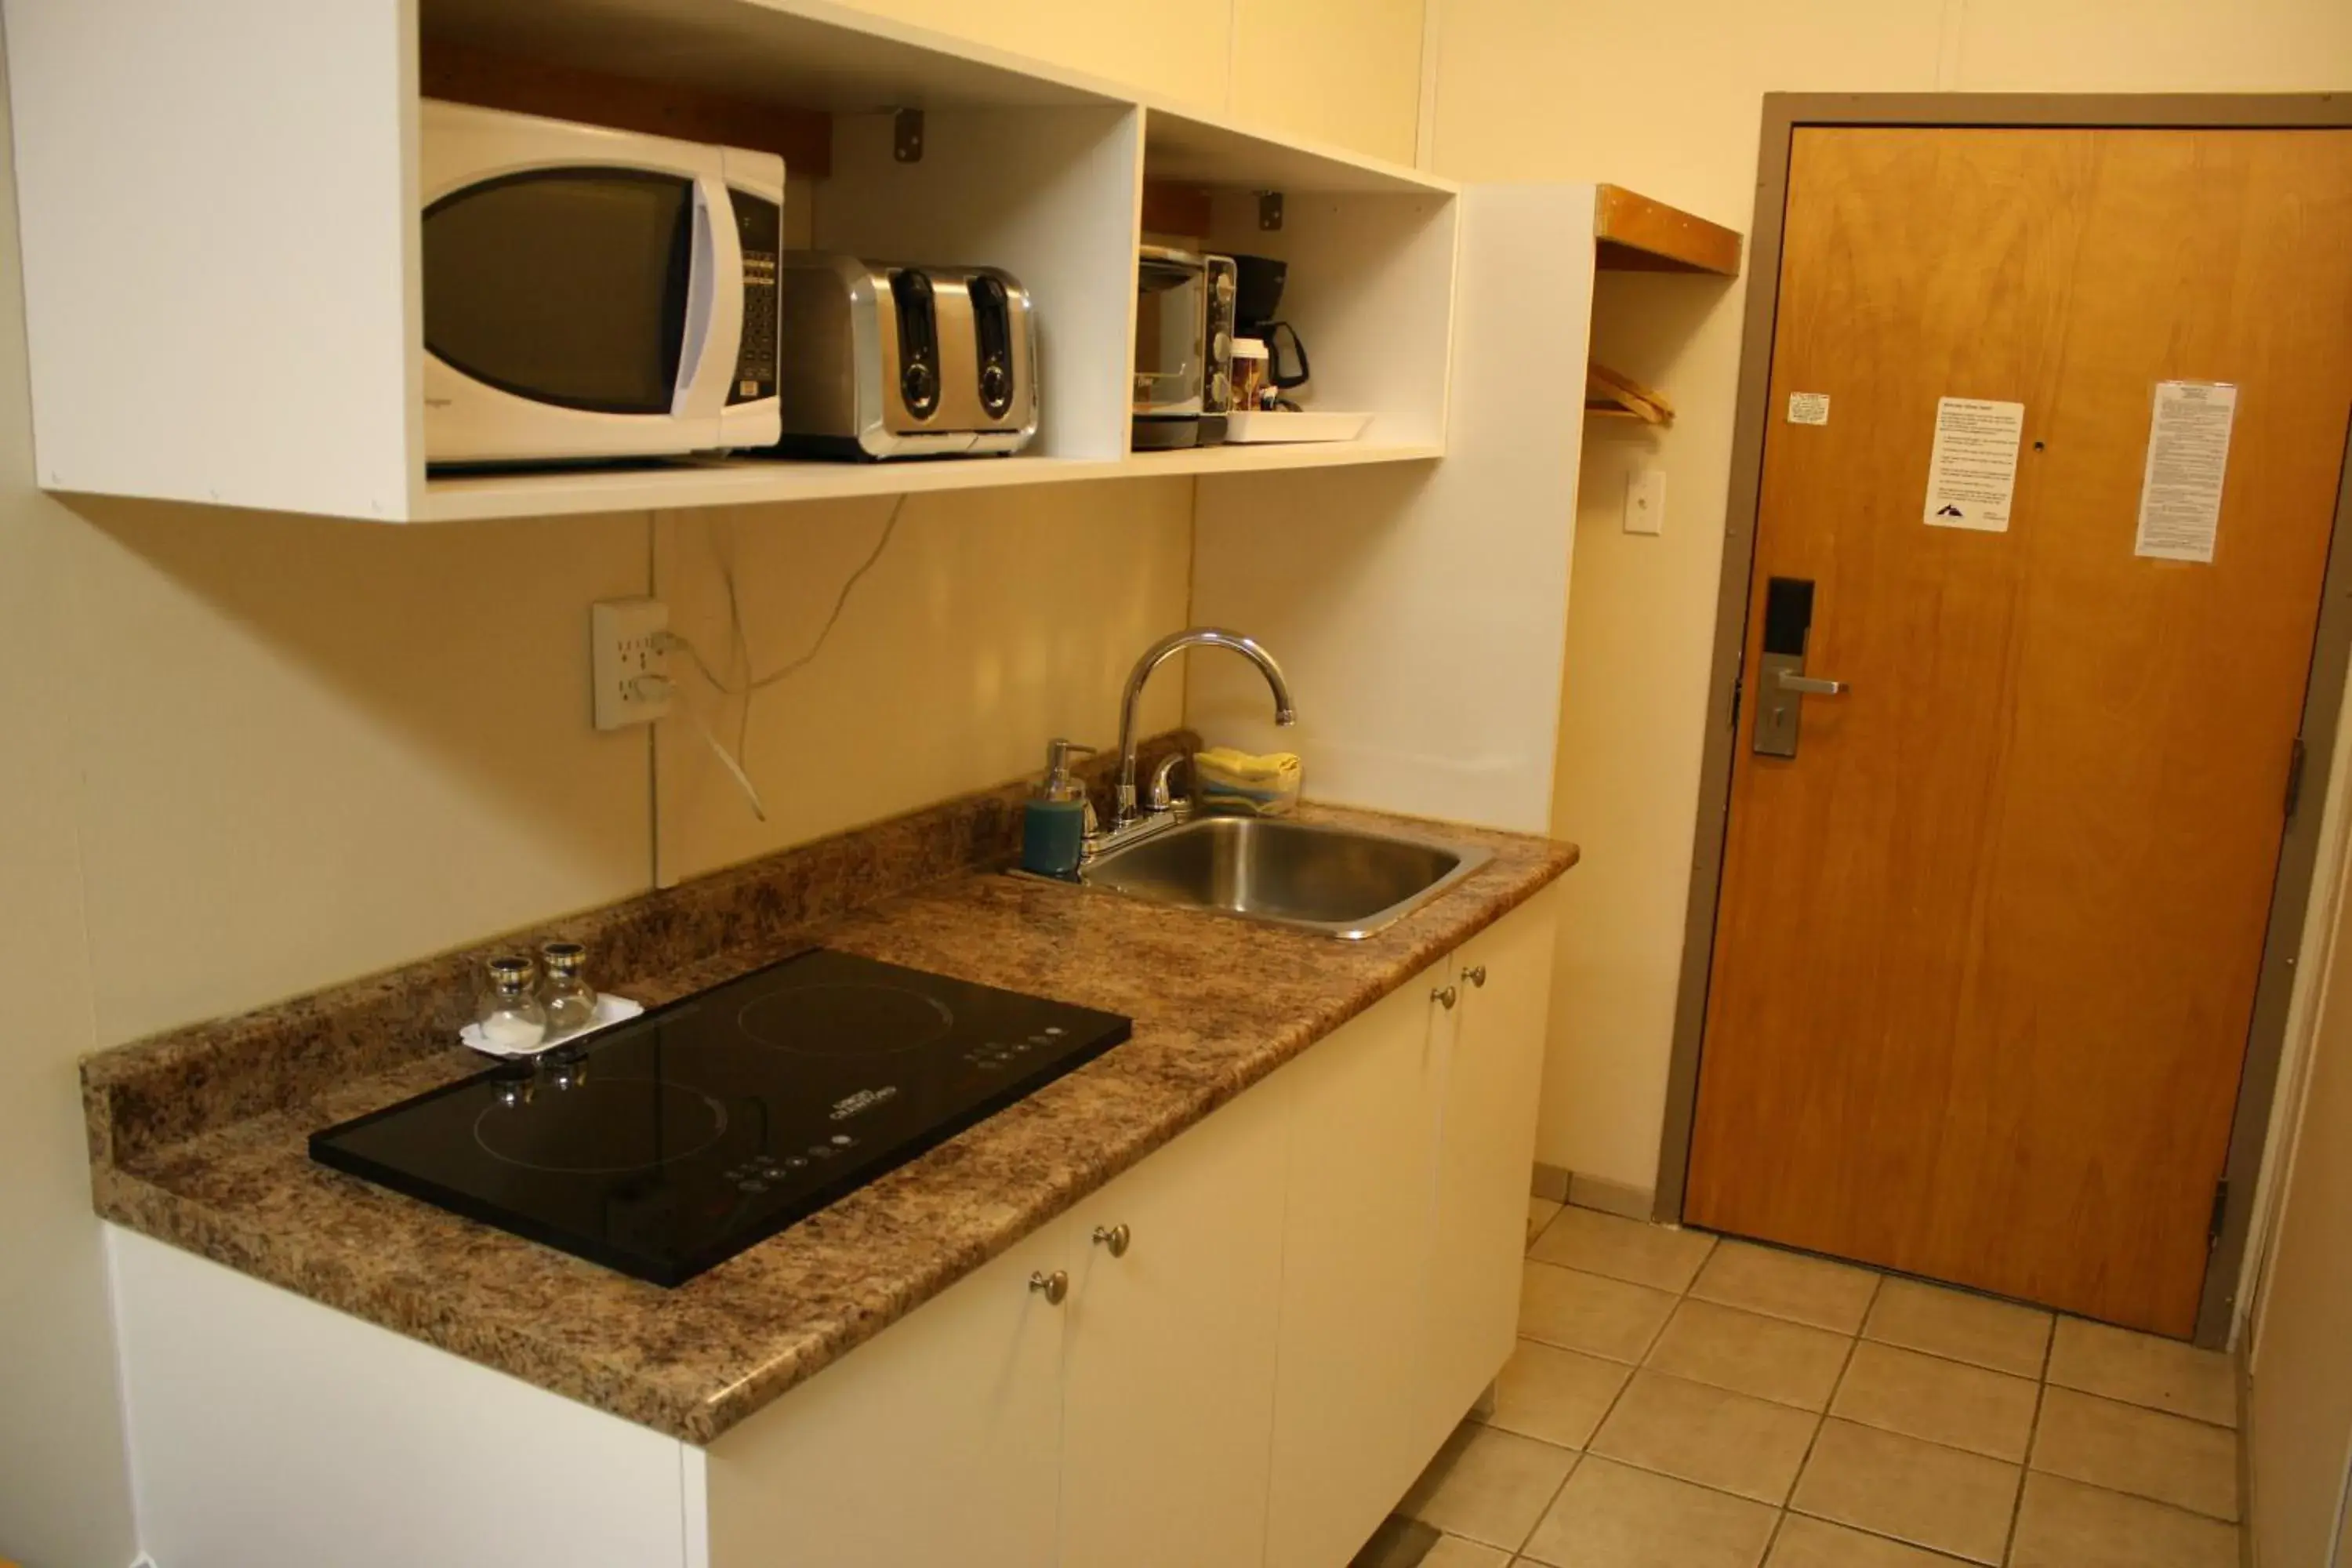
(625, 641)
(1645, 501)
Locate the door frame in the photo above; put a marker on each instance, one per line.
(1784, 114)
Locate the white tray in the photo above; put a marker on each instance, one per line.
(610, 1010)
(1277, 425)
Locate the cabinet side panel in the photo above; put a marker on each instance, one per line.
(216, 243)
(938, 1441)
(268, 1431)
(1420, 614)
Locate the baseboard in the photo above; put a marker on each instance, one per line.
(1557, 1185)
(1612, 1197)
(2242, 1361)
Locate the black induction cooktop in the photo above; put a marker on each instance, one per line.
(669, 1143)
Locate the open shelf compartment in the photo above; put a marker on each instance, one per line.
(279, 357)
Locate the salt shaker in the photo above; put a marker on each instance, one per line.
(509, 1016)
(563, 992)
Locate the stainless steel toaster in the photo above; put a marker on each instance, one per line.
(883, 360)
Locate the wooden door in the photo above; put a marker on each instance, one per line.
(1363, 1138)
(1168, 1375)
(1487, 1145)
(938, 1441)
(1986, 947)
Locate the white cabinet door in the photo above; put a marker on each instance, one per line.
(1348, 1384)
(937, 1442)
(1487, 1154)
(1168, 1372)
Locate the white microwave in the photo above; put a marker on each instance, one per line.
(593, 293)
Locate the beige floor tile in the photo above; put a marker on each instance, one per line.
(1454, 1551)
(1946, 1402)
(1732, 1442)
(2064, 1524)
(1541, 1211)
(1790, 1284)
(1817, 1543)
(1958, 1326)
(1613, 1516)
(1770, 1358)
(2146, 1453)
(1557, 1395)
(1586, 1313)
(1657, 1256)
(2141, 1369)
(1489, 1486)
(1920, 1492)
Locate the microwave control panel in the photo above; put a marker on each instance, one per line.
(760, 223)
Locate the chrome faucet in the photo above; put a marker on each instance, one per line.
(1126, 817)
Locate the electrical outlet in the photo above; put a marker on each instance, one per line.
(1645, 501)
(630, 661)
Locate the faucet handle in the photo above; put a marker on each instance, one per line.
(1158, 798)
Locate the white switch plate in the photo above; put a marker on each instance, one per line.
(1645, 501)
(625, 641)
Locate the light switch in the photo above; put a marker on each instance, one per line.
(1645, 501)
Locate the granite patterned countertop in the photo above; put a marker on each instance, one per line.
(199, 1139)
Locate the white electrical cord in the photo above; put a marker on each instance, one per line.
(658, 686)
(738, 637)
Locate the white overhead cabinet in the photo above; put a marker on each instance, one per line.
(220, 229)
(1239, 1351)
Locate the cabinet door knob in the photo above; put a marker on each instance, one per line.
(1114, 1236)
(1053, 1286)
(1476, 975)
(1445, 996)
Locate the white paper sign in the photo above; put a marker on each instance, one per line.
(1809, 409)
(1972, 473)
(2188, 451)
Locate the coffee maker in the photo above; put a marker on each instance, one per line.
(1257, 307)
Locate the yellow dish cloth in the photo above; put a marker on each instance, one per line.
(1235, 782)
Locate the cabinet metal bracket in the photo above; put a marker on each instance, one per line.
(1269, 210)
(906, 136)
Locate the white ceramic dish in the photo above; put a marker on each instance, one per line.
(610, 1010)
(1276, 424)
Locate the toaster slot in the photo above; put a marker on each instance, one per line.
(919, 342)
(992, 323)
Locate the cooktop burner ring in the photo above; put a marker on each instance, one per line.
(518, 1120)
(845, 1018)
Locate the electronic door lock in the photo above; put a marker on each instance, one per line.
(1784, 686)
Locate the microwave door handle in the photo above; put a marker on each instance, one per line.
(714, 306)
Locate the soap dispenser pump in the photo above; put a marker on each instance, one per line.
(1054, 824)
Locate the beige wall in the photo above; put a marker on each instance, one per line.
(991, 622)
(1529, 90)
(2301, 1429)
(1343, 71)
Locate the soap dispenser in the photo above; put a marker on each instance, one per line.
(1054, 824)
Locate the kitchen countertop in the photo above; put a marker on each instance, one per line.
(1217, 1005)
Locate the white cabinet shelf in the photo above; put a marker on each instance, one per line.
(221, 240)
(743, 482)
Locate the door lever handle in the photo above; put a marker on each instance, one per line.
(1808, 685)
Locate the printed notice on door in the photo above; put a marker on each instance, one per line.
(2188, 451)
(1972, 473)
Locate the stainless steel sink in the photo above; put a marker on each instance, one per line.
(1334, 880)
